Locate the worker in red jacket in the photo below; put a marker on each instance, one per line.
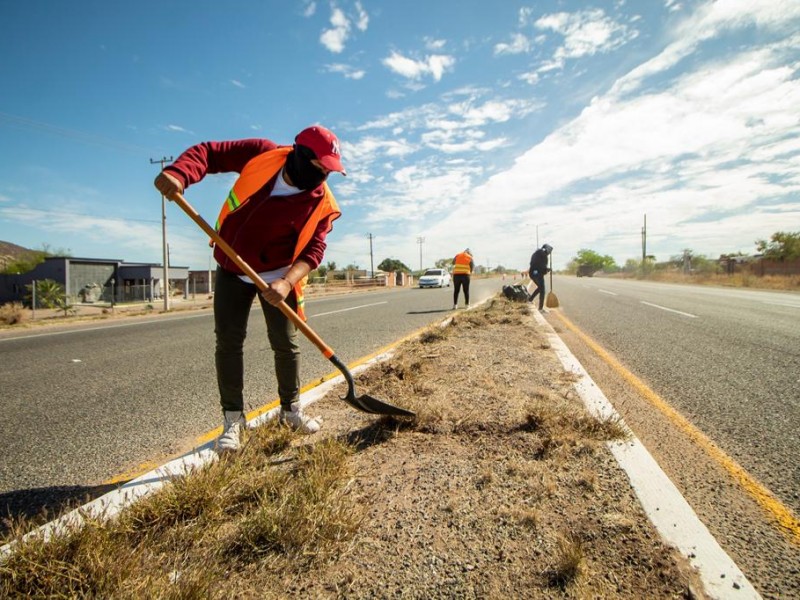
(276, 217)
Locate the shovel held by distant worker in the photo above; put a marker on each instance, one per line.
(364, 402)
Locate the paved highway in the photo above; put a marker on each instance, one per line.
(84, 404)
(727, 359)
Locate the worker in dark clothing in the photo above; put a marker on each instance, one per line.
(538, 269)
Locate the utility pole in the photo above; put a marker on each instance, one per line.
(371, 264)
(165, 256)
(420, 241)
(644, 239)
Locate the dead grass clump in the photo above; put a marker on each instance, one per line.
(567, 421)
(568, 562)
(12, 313)
(305, 515)
(432, 335)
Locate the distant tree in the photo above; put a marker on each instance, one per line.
(631, 265)
(392, 265)
(331, 266)
(444, 263)
(593, 260)
(321, 272)
(782, 246)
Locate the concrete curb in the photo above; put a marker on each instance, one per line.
(663, 503)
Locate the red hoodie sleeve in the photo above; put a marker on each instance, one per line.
(216, 157)
(315, 249)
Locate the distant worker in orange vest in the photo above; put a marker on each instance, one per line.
(276, 217)
(462, 270)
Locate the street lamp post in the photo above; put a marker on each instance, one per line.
(420, 241)
(112, 293)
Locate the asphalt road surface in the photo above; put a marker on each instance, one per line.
(727, 359)
(84, 404)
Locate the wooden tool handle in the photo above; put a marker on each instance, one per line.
(250, 272)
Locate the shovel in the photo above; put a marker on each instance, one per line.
(363, 403)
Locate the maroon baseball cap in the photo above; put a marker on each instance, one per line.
(325, 146)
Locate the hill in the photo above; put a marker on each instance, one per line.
(10, 253)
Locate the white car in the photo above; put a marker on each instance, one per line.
(435, 278)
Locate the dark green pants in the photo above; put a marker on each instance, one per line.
(233, 299)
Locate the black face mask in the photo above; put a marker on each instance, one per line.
(301, 170)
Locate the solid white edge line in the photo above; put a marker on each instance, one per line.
(663, 503)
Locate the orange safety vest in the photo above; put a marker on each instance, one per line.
(256, 173)
(461, 264)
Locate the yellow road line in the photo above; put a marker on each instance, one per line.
(788, 522)
(148, 466)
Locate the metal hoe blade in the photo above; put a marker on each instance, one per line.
(366, 403)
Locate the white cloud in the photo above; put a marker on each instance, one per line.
(673, 5)
(334, 39)
(435, 65)
(432, 44)
(178, 128)
(519, 44)
(524, 16)
(697, 154)
(346, 70)
(362, 22)
(585, 33)
(237, 83)
(310, 9)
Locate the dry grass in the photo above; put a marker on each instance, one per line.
(12, 313)
(738, 280)
(274, 503)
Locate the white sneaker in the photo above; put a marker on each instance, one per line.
(233, 423)
(455, 306)
(543, 310)
(299, 421)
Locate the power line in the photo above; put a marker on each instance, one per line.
(73, 134)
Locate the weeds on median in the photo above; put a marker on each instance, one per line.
(273, 502)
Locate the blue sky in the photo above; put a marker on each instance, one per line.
(463, 123)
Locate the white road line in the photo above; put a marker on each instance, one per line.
(664, 504)
(685, 314)
(607, 292)
(782, 304)
(81, 329)
(333, 312)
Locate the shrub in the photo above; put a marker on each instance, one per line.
(12, 313)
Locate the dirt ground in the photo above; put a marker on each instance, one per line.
(502, 487)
